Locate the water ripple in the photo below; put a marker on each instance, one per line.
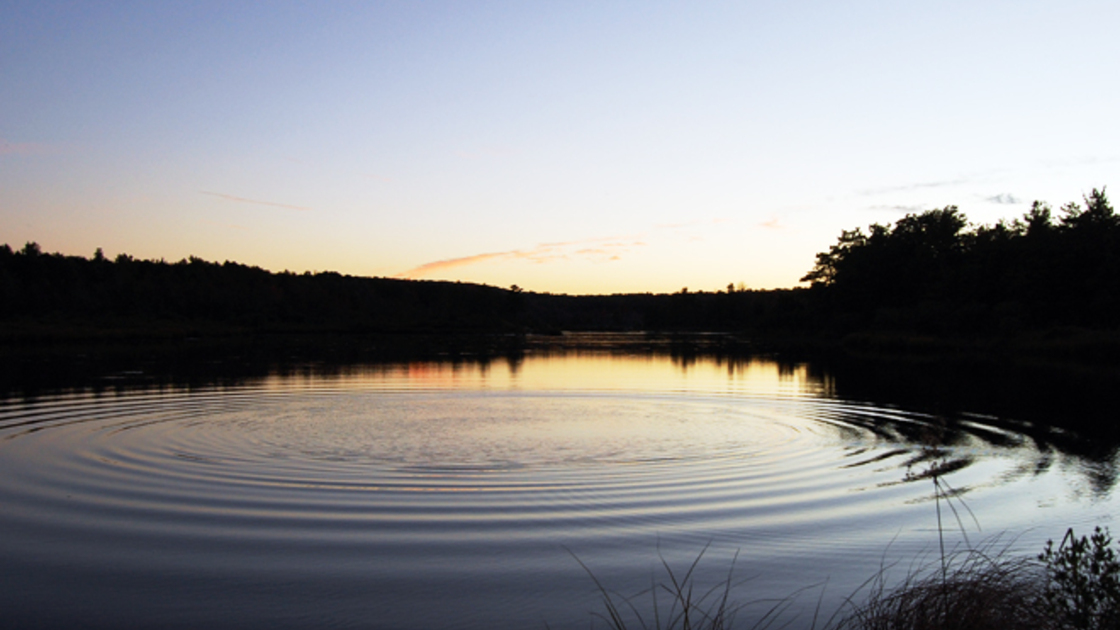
(177, 486)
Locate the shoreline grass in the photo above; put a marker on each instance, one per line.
(1074, 585)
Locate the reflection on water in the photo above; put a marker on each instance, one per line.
(451, 493)
(576, 371)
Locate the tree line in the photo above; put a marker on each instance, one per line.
(57, 292)
(933, 272)
(928, 273)
(43, 294)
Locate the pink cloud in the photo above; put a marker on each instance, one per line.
(254, 201)
(543, 253)
(451, 263)
(598, 249)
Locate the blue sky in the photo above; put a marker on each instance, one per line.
(567, 147)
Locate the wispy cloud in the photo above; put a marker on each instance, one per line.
(451, 263)
(254, 201)
(26, 148)
(536, 255)
(772, 224)
(1003, 198)
(594, 249)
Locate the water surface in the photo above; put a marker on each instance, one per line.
(458, 494)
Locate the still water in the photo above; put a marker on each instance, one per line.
(460, 495)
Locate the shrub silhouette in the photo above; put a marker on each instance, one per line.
(1083, 581)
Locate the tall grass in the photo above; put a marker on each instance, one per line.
(1074, 585)
(966, 590)
(679, 602)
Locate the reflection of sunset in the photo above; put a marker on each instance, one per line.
(444, 375)
(637, 372)
(480, 475)
(585, 371)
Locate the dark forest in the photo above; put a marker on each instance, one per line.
(929, 276)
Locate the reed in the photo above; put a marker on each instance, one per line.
(1073, 586)
(968, 590)
(678, 602)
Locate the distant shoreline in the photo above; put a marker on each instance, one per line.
(931, 286)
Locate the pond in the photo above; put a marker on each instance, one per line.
(472, 493)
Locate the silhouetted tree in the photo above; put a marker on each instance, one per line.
(929, 272)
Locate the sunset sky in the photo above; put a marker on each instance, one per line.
(575, 147)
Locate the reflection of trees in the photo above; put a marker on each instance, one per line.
(914, 400)
(929, 445)
(1101, 473)
(29, 370)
